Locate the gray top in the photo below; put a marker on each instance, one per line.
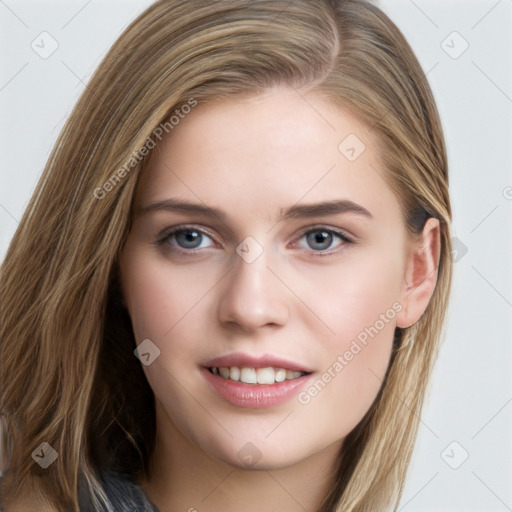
(124, 496)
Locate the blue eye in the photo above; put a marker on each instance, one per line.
(187, 238)
(190, 239)
(323, 239)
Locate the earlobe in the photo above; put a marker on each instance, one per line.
(420, 274)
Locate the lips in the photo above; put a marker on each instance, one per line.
(250, 381)
(249, 361)
(267, 375)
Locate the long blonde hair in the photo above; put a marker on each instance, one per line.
(67, 371)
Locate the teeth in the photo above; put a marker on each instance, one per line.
(265, 376)
(248, 375)
(256, 376)
(280, 375)
(234, 373)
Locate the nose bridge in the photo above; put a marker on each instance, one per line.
(253, 297)
(252, 275)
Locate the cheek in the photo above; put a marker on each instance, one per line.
(353, 370)
(160, 296)
(346, 389)
(352, 295)
(359, 304)
(166, 305)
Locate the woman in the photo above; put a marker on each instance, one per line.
(239, 262)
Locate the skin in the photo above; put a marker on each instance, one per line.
(252, 158)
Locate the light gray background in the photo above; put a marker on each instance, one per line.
(469, 412)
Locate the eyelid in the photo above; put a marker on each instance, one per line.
(344, 238)
(164, 235)
(340, 232)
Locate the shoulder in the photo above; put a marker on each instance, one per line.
(125, 495)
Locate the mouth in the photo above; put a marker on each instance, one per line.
(255, 382)
(248, 375)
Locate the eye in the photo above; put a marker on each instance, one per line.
(322, 239)
(187, 239)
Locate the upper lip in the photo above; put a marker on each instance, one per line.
(255, 361)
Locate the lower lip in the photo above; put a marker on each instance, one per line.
(255, 396)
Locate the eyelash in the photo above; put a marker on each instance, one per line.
(163, 238)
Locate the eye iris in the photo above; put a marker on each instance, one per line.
(189, 239)
(319, 240)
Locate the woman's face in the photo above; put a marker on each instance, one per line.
(265, 245)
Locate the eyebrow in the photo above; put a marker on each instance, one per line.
(297, 211)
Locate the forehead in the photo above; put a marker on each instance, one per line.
(267, 151)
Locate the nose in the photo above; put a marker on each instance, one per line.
(253, 297)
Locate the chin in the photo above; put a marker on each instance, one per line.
(259, 462)
(261, 454)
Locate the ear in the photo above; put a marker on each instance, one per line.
(420, 274)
